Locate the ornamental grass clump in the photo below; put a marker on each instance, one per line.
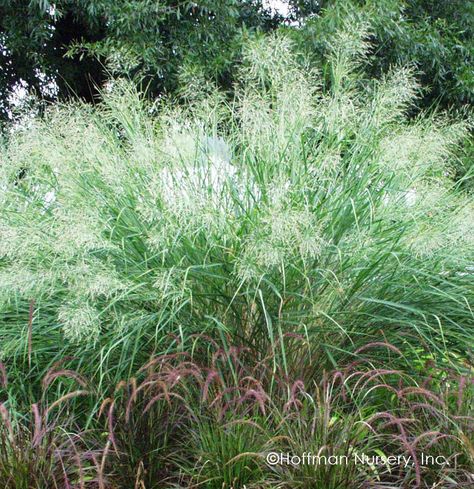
(45, 447)
(307, 204)
(239, 419)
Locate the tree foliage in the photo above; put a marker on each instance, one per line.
(76, 41)
(81, 43)
(435, 37)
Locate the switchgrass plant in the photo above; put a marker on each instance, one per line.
(288, 271)
(292, 209)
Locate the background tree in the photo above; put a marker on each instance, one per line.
(437, 38)
(79, 44)
(72, 41)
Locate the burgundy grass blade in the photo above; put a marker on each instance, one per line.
(52, 375)
(3, 376)
(37, 435)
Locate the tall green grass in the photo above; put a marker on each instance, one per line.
(307, 204)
